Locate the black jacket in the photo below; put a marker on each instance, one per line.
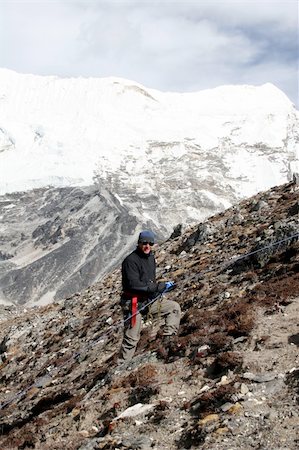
(139, 275)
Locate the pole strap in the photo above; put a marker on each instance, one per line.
(134, 311)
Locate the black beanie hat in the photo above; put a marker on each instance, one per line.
(146, 235)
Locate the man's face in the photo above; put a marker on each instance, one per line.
(145, 246)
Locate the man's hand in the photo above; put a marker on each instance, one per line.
(161, 287)
(165, 286)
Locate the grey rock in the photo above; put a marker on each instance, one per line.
(259, 206)
(240, 339)
(137, 443)
(235, 219)
(226, 406)
(244, 389)
(260, 378)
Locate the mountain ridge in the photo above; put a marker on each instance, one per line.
(44, 128)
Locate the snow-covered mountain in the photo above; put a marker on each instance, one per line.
(157, 159)
(167, 154)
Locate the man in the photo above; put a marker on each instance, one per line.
(139, 289)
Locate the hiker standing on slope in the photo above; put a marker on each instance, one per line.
(139, 288)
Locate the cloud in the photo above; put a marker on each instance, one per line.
(169, 45)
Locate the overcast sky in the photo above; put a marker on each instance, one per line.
(176, 45)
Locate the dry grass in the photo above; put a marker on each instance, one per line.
(145, 376)
(210, 402)
(278, 290)
(227, 361)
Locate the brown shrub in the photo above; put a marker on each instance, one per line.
(228, 360)
(192, 437)
(219, 341)
(237, 318)
(277, 290)
(210, 401)
(160, 412)
(144, 376)
(197, 322)
(142, 394)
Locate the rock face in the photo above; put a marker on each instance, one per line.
(229, 380)
(58, 241)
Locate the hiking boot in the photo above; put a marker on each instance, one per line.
(167, 339)
(164, 345)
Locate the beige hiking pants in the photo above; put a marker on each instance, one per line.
(168, 310)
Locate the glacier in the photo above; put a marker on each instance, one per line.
(65, 131)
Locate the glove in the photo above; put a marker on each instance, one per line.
(169, 285)
(153, 287)
(161, 287)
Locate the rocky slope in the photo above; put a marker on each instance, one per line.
(230, 380)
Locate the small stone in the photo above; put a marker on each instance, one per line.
(248, 375)
(235, 409)
(209, 418)
(226, 406)
(244, 389)
(75, 412)
(222, 430)
(166, 399)
(260, 378)
(84, 433)
(135, 410)
(204, 389)
(240, 339)
(265, 377)
(203, 350)
(224, 380)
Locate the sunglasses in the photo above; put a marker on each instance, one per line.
(147, 243)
